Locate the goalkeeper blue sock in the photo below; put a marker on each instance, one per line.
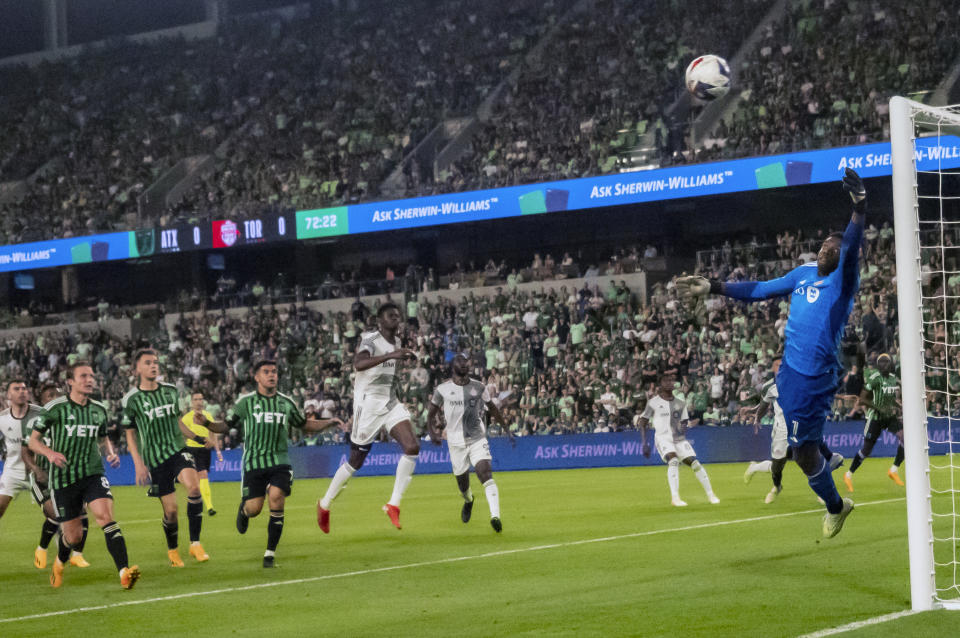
(822, 484)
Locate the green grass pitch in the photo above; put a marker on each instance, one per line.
(596, 552)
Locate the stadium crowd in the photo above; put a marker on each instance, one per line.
(823, 75)
(602, 83)
(319, 111)
(559, 359)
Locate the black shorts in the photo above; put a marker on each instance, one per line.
(875, 426)
(68, 501)
(255, 481)
(163, 477)
(39, 491)
(201, 456)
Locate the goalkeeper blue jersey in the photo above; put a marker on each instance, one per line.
(819, 306)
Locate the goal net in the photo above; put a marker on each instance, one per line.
(925, 145)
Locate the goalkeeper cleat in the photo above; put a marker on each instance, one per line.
(196, 550)
(56, 573)
(243, 521)
(496, 524)
(211, 512)
(713, 499)
(268, 562)
(323, 518)
(751, 470)
(833, 523)
(77, 560)
(394, 513)
(129, 576)
(848, 480)
(466, 511)
(40, 558)
(772, 495)
(174, 556)
(895, 477)
(677, 502)
(835, 461)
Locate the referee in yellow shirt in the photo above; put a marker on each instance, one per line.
(201, 451)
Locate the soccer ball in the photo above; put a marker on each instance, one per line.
(708, 77)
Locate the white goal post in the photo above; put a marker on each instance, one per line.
(932, 525)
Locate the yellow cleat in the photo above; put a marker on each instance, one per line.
(77, 560)
(174, 556)
(40, 558)
(848, 481)
(129, 576)
(895, 477)
(196, 550)
(56, 574)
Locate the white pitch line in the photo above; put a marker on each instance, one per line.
(833, 631)
(440, 561)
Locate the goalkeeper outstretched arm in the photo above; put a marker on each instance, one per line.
(837, 250)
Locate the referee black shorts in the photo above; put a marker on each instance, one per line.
(201, 457)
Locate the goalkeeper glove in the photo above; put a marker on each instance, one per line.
(691, 288)
(854, 185)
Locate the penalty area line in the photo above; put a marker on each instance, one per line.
(428, 563)
(842, 629)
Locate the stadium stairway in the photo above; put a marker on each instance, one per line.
(716, 111)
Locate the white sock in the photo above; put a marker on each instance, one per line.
(701, 475)
(762, 466)
(343, 474)
(405, 468)
(894, 469)
(493, 498)
(269, 552)
(468, 495)
(673, 477)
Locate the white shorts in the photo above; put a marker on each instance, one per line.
(463, 456)
(666, 445)
(778, 442)
(366, 426)
(11, 486)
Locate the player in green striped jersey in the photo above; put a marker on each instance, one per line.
(39, 469)
(152, 411)
(266, 416)
(881, 397)
(76, 425)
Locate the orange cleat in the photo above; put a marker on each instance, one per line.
(848, 481)
(77, 560)
(196, 550)
(174, 556)
(56, 574)
(394, 513)
(895, 477)
(40, 558)
(323, 519)
(129, 576)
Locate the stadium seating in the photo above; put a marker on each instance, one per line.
(316, 112)
(823, 76)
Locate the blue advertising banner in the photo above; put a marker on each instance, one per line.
(733, 444)
(65, 252)
(697, 180)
